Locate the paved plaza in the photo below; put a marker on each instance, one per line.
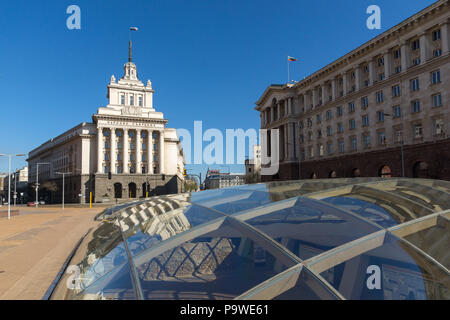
(34, 246)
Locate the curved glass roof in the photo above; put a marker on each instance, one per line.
(319, 239)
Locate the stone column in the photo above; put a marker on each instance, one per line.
(290, 127)
(161, 152)
(405, 56)
(100, 154)
(126, 156)
(333, 89)
(358, 78)
(278, 111)
(314, 98)
(344, 83)
(150, 152)
(424, 48)
(387, 64)
(289, 106)
(307, 101)
(138, 152)
(113, 150)
(272, 114)
(445, 37)
(324, 93)
(372, 75)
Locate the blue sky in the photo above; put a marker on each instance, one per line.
(207, 60)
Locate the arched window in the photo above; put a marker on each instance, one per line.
(313, 175)
(385, 172)
(132, 190)
(420, 170)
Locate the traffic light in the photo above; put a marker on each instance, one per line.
(185, 172)
(109, 175)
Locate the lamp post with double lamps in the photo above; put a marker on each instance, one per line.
(9, 179)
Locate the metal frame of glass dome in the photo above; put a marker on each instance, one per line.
(309, 232)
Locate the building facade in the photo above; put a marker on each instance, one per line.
(218, 180)
(380, 110)
(128, 138)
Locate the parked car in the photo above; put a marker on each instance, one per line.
(31, 204)
(42, 202)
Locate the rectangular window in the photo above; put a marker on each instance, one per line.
(106, 156)
(436, 35)
(329, 115)
(365, 102)
(367, 140)
(437, 100)
(381, 62)
(131, 145)
(437, 53)
(397, 54)
(342, 146)
(351, 107)
(380, 97)
(365, 121)
(416, 44)
(398, 136)
(330, 148)
(416, 106)
(329, 131)
(140, 101)
(119, 157)
(397, 112)
(415, 84)
(396, 91)
(144, 158)
(354, 144)
(319, 118)
(436, 77)
(416, 61)
(131, 157)
(106, 169)
(144, 146)
(380, 116)
(381, 138)
(381, 77)
(340, 127)
(339, 111)
(438, 126)
(122, 99)
(398, 69)
(131, 100)
(418, 131)
(352, 124)
(106, 144)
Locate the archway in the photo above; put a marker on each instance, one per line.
(145, 189)
(313, 175)
(332, 175)
(356, 173)
(132, 190)
(420, 170)
(385, 172)
(117, 190)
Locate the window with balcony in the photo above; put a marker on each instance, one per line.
(329, 131)
(330, 147)
(418, 131)
(366, 138)
(438, 125)
(354, 142)
(364, 102)
(341, 146)
(352, 124)
(437, 53)
(398, 69)
(351, 107)
(339, 111)
(381, 138)
(365, 120)
(380, 97)
(380, 115)
(340, 127)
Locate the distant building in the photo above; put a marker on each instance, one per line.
(217, 180)
(253, 166)
(127, 138)
(382, 109)
(19, 184)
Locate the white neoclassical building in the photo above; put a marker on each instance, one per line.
(127, 138)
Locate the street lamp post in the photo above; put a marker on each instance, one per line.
(9, 179)
(15, 188)
(37, 181)
(63, 185)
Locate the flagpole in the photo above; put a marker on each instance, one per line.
(289, 70)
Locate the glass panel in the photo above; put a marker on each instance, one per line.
(231, 200)
(157, 228)
(99, 253)
(117, 285)
(307, 227)
(297, 283)
(365, 209)
(219, 262)
(384, 268)
(435, 241)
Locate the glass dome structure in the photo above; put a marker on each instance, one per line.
(371, 239)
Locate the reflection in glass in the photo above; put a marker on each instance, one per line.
(365, 209)
(308, 227)
(221, 264)
(387, 270)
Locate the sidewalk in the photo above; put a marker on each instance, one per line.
(35, 244)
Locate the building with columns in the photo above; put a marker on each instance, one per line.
(380, 110)
(127, 138)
